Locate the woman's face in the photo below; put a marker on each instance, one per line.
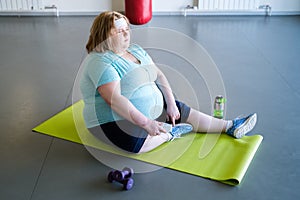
(120, 36)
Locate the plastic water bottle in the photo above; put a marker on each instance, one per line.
(219, 106)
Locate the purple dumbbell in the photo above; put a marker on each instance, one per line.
(123, 177)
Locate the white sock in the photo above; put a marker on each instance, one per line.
(228, 125)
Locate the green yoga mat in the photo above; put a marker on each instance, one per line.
(214, 156)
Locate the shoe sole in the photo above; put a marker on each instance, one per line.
(182, 128)
(246, 127)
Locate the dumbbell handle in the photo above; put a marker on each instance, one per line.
(121, 175)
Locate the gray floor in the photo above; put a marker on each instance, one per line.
(259, 62)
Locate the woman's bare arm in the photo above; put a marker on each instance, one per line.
(164, 86)
(111, 93)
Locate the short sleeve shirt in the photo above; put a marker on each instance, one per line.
(137, 83)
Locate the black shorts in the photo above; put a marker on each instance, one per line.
(129, 136)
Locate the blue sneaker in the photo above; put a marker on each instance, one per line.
(180, 129)
(241, 126)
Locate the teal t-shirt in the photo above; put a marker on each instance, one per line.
(137, 82)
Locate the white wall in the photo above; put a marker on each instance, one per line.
(80, 5)
(157, 5)
(169, 5)
(101, 5)
(282, 5)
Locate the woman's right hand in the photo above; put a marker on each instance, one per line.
(154, 127)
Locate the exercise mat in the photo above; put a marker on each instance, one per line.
(226, 159)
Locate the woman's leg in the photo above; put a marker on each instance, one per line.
(236, 128)
(152, 142)
(205, 123)
(201, 123)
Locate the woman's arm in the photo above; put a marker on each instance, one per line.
(164, 86)
(111, 93)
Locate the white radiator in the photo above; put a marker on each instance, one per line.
(26, 7)
(227, 5)
(21, 5)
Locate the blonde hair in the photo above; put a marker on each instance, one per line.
(101, 29)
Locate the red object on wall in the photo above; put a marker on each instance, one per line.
(138, 11)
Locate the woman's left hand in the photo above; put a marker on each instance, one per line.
(172, 113)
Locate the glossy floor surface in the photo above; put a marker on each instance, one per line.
(258, 59)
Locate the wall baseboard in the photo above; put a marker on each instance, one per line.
(155, 13)
(229, 12)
